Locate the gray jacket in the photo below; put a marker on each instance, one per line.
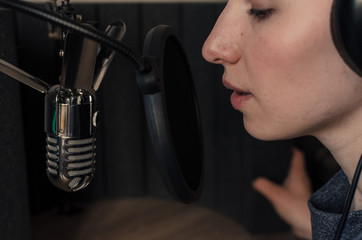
(326, 206)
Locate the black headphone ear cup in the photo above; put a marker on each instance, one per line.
(346, 28)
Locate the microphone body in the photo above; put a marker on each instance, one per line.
(71, 108)
(71, 113)
(71, 117)
(70, 125)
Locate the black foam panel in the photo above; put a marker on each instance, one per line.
(14, 210)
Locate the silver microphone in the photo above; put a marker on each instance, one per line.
(70, 122)
(70, 125)
(70, 109)
(71, 113)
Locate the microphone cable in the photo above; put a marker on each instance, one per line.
(348, 201)
(140, 63)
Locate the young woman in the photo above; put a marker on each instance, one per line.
(288, 80)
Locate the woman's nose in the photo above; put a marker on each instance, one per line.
(223, 44)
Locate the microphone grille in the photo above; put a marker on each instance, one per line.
(70, 161)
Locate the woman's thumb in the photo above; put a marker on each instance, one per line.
(275, 193)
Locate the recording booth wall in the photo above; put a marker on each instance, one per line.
(125, 163)
(14, 206)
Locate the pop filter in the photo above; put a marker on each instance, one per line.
(172, 114)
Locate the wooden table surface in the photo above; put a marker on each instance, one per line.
(141, 219)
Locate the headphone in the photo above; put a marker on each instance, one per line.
(346, 28)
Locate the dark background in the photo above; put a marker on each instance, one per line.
(125, 162)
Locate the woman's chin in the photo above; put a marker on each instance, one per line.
(267, 133)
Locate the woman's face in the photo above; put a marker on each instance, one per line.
(280, 61)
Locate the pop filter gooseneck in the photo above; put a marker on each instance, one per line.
(164, 78)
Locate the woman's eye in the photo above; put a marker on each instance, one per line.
(260, 14)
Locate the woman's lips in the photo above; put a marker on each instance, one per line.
(238, 99)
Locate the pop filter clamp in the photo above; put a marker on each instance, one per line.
(165, 80)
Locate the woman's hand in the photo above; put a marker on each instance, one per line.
(290, 200)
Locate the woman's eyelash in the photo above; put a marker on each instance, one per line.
(260, 14)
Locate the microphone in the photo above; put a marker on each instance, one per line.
(70, 133)
(70, 110)
(71, 113)
(70, 123)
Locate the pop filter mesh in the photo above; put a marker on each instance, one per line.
(182, 112)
